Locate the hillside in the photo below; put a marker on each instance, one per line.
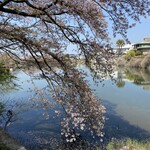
(142, 61)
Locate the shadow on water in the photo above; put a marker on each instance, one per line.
(46, 134)
(118, 128)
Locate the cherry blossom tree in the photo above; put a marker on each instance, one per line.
(43, 30)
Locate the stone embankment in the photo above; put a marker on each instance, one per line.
(137, 61)
(8, 143)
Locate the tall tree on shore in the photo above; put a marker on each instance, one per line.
(120, 43)
(43, 29)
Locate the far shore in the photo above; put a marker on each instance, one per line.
(142, 61)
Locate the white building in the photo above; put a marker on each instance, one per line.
(143, 46)
(124, 49)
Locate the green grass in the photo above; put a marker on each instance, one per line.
(128, 145)
(3, 147)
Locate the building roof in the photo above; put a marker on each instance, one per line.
(143, 43)
(146, 41)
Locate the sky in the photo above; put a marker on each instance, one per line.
(137, 33)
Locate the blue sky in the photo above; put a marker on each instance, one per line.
(137, 33)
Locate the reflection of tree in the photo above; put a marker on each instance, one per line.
(1, 108)
(137, 76)
(120, 83)
(134, 76)
(10, 111)
(7, 80)
(7, 116)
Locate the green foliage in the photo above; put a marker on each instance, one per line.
(138, 53)
(131, 54)
(120, 84)
(120, 43)
(4, 72)
(136, 78)
(1, 108)
(6, 79)
(3, 147)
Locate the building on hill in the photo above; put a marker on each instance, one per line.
(143, 46)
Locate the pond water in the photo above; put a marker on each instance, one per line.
(127, 102)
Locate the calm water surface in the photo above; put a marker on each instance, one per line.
(127, 103)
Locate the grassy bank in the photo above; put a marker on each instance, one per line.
(4, 147)
(8, 143)
(128, 145)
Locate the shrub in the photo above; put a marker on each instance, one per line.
(127, 57)
(131, 54)
(137, 53)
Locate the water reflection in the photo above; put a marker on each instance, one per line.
(119, 81)
(38, 127)
(7, 80)
(11, 111)
(62, 118)
(7, 116)
(132, 100)
(7, 85)
(1, 108)
(137, 76)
